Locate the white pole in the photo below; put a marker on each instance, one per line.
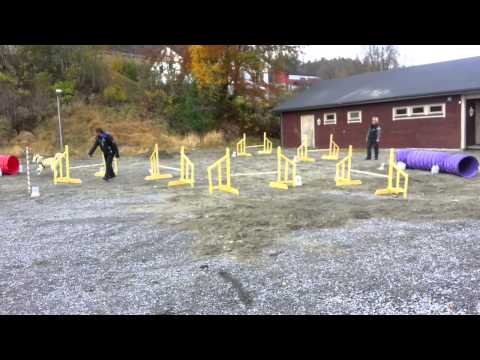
(255, 174)
(60, 124)
(369, 173)
(169, 168)
(29, 187)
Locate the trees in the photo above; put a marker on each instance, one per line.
(31, 73)
(376, 58)
(236, 72)
(210, 65)
(196, 110)
(381, 57)
(231, 67)
(22, 106)
(328, 69)
(195, 87)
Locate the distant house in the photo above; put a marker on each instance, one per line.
(293, 82)
(169, 65)
(269, 80)
(426, 106)
(259, 80)
(167, 60)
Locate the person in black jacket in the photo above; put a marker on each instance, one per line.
(373, 139)
(109, 149)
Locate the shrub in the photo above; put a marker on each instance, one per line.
(130, 70)
(68, 90)
(254, 116)
(194, 111)
(7, 79)
(213, 139)
(6, 131)
(127, 68)
(114, 94)
(153, 100)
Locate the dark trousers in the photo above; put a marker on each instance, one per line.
(108, 166)
(371, 144)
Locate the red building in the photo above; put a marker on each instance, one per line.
(426, 106)
(293, 82)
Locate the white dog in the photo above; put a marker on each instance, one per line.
(43, 163)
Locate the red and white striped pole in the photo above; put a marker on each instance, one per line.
(29, 187)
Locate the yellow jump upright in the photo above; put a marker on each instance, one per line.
(302, 152)
(343, 175)
(187, 171)
(394, 172)
(221, 186)
(333, 150)
(242, 147)
(58, 175)
(267, 146)
(284, 177)
(155, 167)
(101, 172)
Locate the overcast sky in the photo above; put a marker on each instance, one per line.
(409, 54)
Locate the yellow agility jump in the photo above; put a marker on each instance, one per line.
(58, 175)
(187, 171)
(155, 167)
(267, 146)
(101, 172)
(343, 175)
(333, 150)
(302, 152)
(285, 177)
(393, 170)
(227, 186)
(242, 147)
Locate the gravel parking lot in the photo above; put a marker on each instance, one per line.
(137, 247)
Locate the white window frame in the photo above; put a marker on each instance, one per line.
(401, 117)
(423, 113)
(330, 122)
(443, 113)
(356, 120)
(426, 112)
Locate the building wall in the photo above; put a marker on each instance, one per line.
(422, 133)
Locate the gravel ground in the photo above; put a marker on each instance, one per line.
(137, 247)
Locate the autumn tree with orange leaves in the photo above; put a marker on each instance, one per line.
(236, 71)
(224, 65)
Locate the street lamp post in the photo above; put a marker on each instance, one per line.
(60, 129)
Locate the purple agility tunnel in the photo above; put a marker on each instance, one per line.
(457, 164)
(402, 155)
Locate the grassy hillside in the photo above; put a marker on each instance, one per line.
(135, 133)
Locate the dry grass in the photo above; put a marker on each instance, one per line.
(135, 134)
(213, 139)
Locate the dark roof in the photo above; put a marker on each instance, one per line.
(444, 78)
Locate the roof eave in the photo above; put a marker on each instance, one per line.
(392, 99)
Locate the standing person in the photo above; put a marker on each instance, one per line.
(109, 149)
(373, 138)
